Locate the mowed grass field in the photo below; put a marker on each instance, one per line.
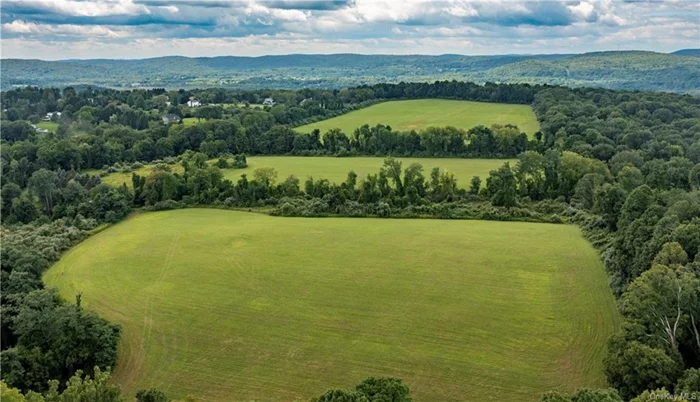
(48, 125)
(418, 114)
(236, 306)
(336, 169)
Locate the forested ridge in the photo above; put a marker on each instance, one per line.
(629, 70)
(624, 166)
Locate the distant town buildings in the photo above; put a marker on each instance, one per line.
(269, 101)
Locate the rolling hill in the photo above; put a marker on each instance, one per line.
(633, 70)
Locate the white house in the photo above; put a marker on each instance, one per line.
(193, 103)
(268, 101)
(39, 130)
(171, 118)
(49, 116)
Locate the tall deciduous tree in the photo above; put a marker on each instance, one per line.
(500, 185)
(43, 183)
(392, 170)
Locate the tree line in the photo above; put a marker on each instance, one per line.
(24, 151)
(96, 388)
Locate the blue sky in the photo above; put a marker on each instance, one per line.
(58, 29)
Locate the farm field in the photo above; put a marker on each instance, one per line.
(191, 121)
(117, 178)
(418, 114)
(239, 105)
(252, 105)
(336, 169)
(230, 305)
(48, 125)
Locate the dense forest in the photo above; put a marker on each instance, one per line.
(624, 166)
(628, 70)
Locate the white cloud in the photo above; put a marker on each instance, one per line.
(172, 9)
(22, 27)
(583, 10)
(93, 8)
(391, 11)
(131, 28)
(462, 10)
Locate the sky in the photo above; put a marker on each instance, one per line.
(85, 29)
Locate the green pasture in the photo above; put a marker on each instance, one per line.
(48, 125)
(335, 169)
(118, 178)
(191, 121)
(239, 105)
(236, 306)
(418, 114)
(252, 105)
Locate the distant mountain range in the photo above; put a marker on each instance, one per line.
(632, 70)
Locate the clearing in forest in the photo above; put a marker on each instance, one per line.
(48, 125)
(418, 114)
(237, 306)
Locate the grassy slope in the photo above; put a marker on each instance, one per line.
(239, 306)
(336, 169)
(422, 113)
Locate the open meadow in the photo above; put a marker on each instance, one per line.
(191, 121)
(47, 125)
(336, 169)
(418, 114)
(236, 306)
(51, 126)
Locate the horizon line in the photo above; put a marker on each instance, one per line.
(351, 54)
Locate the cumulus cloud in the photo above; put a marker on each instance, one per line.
(309, 4)
(22, 27)
(75, 7)
(323, 26)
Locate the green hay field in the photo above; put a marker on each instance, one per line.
(236, 306)
(191, 121)
(48, 125)
(336, 169)
(419, 114)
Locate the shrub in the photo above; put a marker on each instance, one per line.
(165, 205)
